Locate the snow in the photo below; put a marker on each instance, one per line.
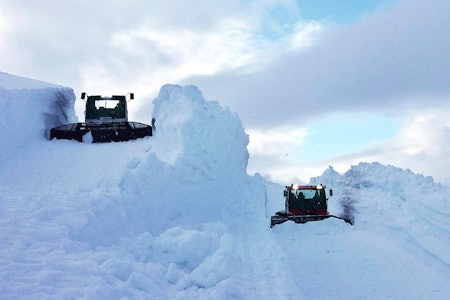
(29, 108)
(176, 216)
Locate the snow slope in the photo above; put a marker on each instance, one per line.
(175, 216)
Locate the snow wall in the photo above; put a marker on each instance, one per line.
(30, 108)
(194, 173)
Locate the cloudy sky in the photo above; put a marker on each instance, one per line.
(316, 83)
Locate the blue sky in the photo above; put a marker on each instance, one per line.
(339, 133)
(370, 79)
(325, 136)
(339, 11)
(343, 132)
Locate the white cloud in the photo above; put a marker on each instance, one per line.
(278, 142)
(377, 63)
(304, 34)
(422, 145)
(139, 45)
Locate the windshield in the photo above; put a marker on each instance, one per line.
(105, 108)
(106, 103)
(306, 194)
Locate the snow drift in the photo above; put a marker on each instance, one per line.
(175, 216)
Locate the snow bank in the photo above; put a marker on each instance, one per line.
(378, 193)
(397, 248)
(30, 108)
(387, 196)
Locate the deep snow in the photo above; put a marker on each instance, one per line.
(175, 216)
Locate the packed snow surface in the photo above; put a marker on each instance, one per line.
(176, 216)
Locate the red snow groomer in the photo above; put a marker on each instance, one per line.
(304, 203)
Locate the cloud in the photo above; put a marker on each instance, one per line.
(139, 45)
(240, 52)
(378, 63)
(276, 142)
(422, 144)
(164, 33)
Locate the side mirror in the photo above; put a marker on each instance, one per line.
(83, 95)
(284, 193)
(131, 96)
(331, 193)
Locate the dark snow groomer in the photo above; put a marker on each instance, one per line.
(304, 203)
(106, 120)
